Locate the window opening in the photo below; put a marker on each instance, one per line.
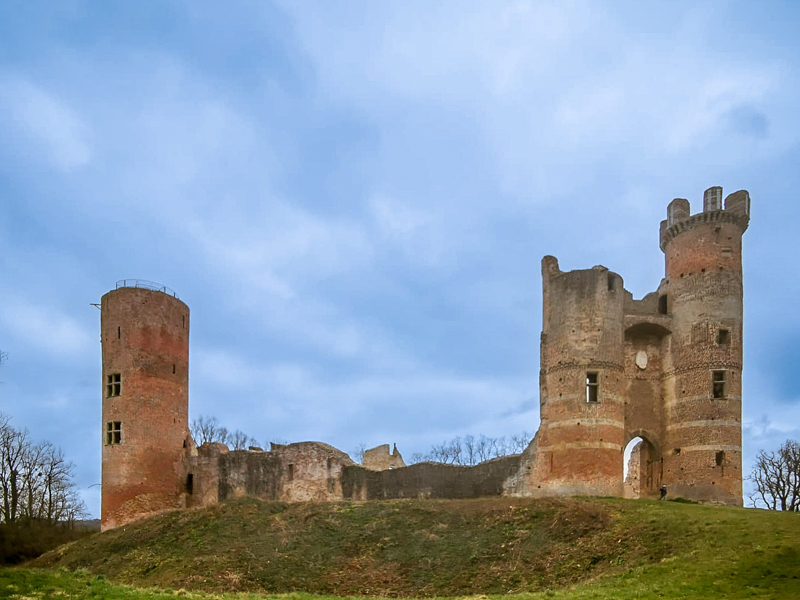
(719, 384)
(723, 337)
(291, 472)
(592, 387)
(113, 433)
(173, 368)
(720, 457)
(113, 384)
(119, 333)
(677, 451)
(190, 483)
(662, 304)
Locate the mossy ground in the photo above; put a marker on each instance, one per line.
(572, 548)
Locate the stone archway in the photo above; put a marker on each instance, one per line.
(642, 470)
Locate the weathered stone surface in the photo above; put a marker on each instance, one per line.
(429, 480)
(379, 459)
(666, 368)
(145, 342)
(654, 362)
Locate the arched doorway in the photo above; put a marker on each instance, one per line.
(641, 469)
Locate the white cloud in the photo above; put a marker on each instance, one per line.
(44, 327)
(47, 120)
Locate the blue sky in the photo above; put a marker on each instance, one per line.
(354, 198)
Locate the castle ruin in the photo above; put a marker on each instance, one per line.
(666, 369)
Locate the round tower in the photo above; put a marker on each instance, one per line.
(702, 385)
(145, 390)
(581, 436)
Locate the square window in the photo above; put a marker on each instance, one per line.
(592, 387)
(723, 337)
(113, 385)
(719, 384)
(113, 433)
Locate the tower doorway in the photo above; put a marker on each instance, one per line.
(641, 469)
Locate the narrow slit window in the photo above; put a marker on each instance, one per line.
(119, 333)
(719, 384)
(113, 384)
(291, 473)
(720, 458)
(190, 483)
(723, 337)
(592, 387)
(113, 433)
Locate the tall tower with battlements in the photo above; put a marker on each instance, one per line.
(702, 294)
(145, 401)
(665, 369)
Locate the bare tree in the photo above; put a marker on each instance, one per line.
(469, 450)
(13, 445)
(35, 480)
(207, 430)
(239, 440)
(777, 478)
(358, 454)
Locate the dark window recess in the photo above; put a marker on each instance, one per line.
(592, 387)
(190, 483)
(330, 464)
(677, 451)
(173, 368)
(113, 433)
(720, 458)
(610, 279)
(719, 384)
(119, 333)
(662, 304)
(723, 337)
(291, 473)
(113, 384)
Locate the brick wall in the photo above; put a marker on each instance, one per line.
(145, 341)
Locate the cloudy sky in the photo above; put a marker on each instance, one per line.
(354, 198)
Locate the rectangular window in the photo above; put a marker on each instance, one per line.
(592, 387)
(719, 384)
(723, 337)
(113, 433)
(113, 385)
(291, 473)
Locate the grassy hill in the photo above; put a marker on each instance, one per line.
(570, 548)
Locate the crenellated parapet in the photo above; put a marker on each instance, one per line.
(666, 368)
(679, 218)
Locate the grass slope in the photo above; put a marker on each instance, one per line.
(563, 548)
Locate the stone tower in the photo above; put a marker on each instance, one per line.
(702, 378)
(145, 390)
(582, 382)
(666, 368)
